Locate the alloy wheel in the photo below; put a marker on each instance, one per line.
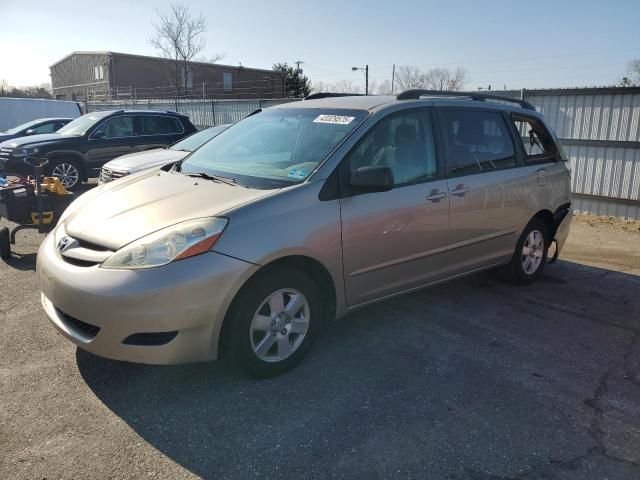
(279, 325)
(532, 252)
(67, 173)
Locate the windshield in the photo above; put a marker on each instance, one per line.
(22, 127)
(280, 146)
(196, 140)
(80, 125)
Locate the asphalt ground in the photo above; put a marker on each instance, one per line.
(474, 379)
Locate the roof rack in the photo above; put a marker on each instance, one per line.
(481, 97)
(315, 96)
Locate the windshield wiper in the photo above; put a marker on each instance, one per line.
(214, 178)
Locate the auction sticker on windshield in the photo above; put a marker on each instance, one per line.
(335, 119)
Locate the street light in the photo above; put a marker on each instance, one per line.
(366, 76)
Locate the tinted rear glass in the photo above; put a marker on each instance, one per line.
(478, 141)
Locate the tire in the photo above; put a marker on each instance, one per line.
(530, 256)
(69, 172)
(5, 246)
(256, 335)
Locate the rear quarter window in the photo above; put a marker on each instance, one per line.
(536, 141)
(159, 125)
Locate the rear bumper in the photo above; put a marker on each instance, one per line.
(562, 232)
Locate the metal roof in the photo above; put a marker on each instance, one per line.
(149, 57)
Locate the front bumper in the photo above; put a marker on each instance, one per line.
(189, 297)
(10, 165)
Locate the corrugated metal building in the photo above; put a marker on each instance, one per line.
(83, 76)
(599, 129)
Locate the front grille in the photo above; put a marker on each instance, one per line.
(78, 326)
(84, 254)
(150, 339)
(107, 175)
(5, 152)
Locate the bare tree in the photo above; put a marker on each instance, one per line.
(341, 86)
(382, 88)
(409, 77)
(633, 74)
(179, 37)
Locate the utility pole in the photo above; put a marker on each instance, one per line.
(298, 62)
(393, 77)
(366, 81)
(366, 77)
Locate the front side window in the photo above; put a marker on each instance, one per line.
(477, 141)
(403, 142)
(275, 148)
(159, 125)
(536, 140)
(117, 127)
(227, 81)
(45, 128)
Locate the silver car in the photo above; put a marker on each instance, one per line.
(157, 157)
(300, 214)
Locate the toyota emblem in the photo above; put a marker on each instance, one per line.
(63, 244)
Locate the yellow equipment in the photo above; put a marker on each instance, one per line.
(53, 185)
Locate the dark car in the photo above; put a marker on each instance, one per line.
(78, 150)
(35, 127)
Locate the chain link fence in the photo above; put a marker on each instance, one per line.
(202, 113)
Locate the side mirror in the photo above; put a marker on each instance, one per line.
(97, 135)
(372, 179)
(31, 131)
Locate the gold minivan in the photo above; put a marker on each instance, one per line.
(299, 214)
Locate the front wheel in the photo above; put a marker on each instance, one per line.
(69, 172)
(530, 256)
(273, 322)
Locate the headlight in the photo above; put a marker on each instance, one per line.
(179, 241)
(24, 152)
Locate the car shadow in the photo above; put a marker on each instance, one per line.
(22, 261)
(438, 378)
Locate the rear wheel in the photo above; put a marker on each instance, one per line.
(5, 245)
(273, 322)
(530, 256)
(69, 172)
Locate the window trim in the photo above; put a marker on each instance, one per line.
(539, 158)
(139, 120)
(445, 142)
(343, 168)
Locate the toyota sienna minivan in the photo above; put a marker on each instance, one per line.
(299, 214)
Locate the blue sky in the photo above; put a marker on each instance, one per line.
(547, 44)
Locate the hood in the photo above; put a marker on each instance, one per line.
(134, 162)
(31, 139)
(118, 213)
(6, 136)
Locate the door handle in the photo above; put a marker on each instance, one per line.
(460, 191)
(435, 196)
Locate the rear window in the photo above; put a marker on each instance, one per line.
(478, 141)
(537, 143)
(159, 125)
